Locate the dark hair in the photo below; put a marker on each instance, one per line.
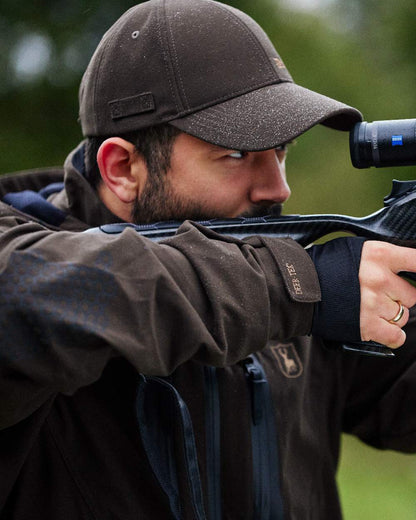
(153, 143)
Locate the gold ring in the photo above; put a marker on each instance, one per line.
(399, 315)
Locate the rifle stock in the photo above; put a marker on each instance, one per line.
(395, 223)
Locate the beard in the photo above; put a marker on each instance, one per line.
(158, 202)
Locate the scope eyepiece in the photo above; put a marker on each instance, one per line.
(383, 143)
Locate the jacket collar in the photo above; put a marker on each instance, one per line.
(79, 199)
(78, 202)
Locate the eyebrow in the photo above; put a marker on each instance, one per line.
(216, 148)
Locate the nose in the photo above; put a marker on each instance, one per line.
(269, 178)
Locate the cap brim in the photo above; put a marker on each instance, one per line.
(267, 117)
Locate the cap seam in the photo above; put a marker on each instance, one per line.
(174, 55)
(238, 133)
(252, 36)
(228, 97)
(179, 93)
(170, 72)
(95, 112)
(213, 120)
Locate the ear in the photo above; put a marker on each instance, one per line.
(123, 170)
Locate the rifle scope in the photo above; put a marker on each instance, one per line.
(383, 143)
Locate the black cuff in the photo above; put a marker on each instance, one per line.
(337, 315)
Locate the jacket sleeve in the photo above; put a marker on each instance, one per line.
(71, 301)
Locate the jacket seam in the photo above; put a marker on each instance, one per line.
(71, 472)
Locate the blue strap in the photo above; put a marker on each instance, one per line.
(54, 187)
(159, 409)
(36, 205)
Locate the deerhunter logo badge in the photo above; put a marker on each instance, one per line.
(279, 63)
(288, 359)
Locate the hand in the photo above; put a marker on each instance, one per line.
(381, 290)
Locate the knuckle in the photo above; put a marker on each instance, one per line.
(406, 317)
(376, 250)
(382, 332)
(370, 332)
(378, 278)
(397, 338)
(373, 276)
(374, 279)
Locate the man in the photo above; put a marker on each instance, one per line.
(179, 380)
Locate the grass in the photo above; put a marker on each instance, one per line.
(376, 485)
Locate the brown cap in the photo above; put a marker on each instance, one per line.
(204, 67)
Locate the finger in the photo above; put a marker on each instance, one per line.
(370, 318)
(401, 290)
(380, 280)
(398, 258)
(380, 304)
(401, 316)
(384, 332)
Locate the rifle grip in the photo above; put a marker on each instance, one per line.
(368, 348)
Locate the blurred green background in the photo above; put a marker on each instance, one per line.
(361, 52)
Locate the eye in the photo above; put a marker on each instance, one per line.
(281, 148)
(284, 147)
(238, 155)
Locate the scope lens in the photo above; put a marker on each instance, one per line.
(383, 143)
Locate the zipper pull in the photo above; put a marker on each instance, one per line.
(257, 382)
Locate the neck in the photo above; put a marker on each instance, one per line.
(114, 204)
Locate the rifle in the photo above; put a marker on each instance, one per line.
(381, 143)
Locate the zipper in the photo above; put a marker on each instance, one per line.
(213, 443)
(268, 504)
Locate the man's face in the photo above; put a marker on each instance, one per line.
(206, 181)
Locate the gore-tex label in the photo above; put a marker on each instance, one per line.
(296, 268)
(297, 286)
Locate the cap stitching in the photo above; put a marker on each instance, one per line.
(250, 33)
(209, 121)
(337, 106)
(228, 97)
(109, 38)
(241, 134)
(94, 111)
(168, 66)
(184, 107)
(174, 54)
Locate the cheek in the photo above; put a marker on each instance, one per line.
(229, 199)
(228, 188)
(216, 188)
